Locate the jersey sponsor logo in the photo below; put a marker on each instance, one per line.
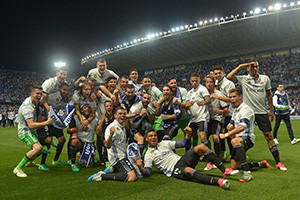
(254, 90)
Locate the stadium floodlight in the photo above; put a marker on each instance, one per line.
(284, 5)
(165, 32)
(160, 33)
(156, 34)
(195, 24)
(222, 19)
(191, 26)
(277, 6)
(257, 10)
(216, 19)
(298, 2)
(177, 29)
(210, 21)
(135, 41)
(271, 8)
(264, 10)
(169, 31)
(173, 29)
(205, 21)
(292, 4)
(186, 26)
(131, 42)
(149, 36)
(181, 27)
(251, 12)
(201, 23)
(60, 64)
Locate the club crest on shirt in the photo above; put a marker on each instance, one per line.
(152, 151)
(95, 76)
(262, 82)
(118, 128)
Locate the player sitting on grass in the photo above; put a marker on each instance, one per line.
(240, 130)
(161, 155)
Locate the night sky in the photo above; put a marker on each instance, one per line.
(35, 34)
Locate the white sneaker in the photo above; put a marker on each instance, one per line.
(98, 176)
(19, 172)
(276, 141)
(294, 141)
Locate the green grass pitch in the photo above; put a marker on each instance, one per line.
(61, 183)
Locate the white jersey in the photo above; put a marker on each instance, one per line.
(254, 92)
(216, 103)
(78, 99)
(56, 100)
(26, 111)
(198, 113)
(117, 151)
(162, 157)
(51, 85)
(244, 115)
(11, 115)
(181, 95)
(137, 106)
(101, 78)
(100, 107)
(224, 86)
(86, 136)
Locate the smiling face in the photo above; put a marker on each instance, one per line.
(167, 93)
(86, 110)
(61, 75)
(123, 83)
(112, 83)
(152, 139)
(253, 69)
(101, 67)
(173, 84)
(64, 91)
(134, 76)
(280, 88)
(195, 81)
(36, 95)
(146, 99)
(146, 82)
(108, 107)
(129, 93)
(209, 84)
(218, 74)
(120, 115)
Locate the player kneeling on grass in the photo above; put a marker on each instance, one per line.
(240, 130)
(27, 128)
(80, 137)
(161, 155)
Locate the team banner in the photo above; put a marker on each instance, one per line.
(132, 156)
(62, 118)
(87, 155)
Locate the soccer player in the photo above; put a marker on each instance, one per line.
(57, 100)
(26, 128)
(133, 75)
(10, 117)
(217, 110)
(197, 100)
(51, 85)
(105, 120)
(115, 141)
(101, 73)
(282, 112)
(110, 89)
(169, 113)
(240, 130)
(224, 85)
(256, 88)
(180, 94)
(78, 136)
(129, 98)
(162, 156)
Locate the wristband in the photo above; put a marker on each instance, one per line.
(226, 134)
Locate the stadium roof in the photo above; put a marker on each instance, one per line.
(239, 36)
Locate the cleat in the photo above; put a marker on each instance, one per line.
(31, 164)
(208, 167)
(43, 167)
(78, 154)
(294, 141)
(264, 164)
(108, 170)
(224, 184)
(69, 162)
(46, 151)
(230, 171)
(281, 167)
(19, 172)
(96, 177)
(246, 177)
(54, 145)
(58, 162)
(75, 168)
(276, 141)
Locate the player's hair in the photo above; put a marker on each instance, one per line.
(195, 75)
(108, 101)
(85, 83)
(211, 77)
(218, 67)
(146, 93)
(253, 60)
(64, 84)
(36, 87)
(129, 86)
(171, 79)
(280, 84)
(235, 90)
(124, 77)
(118, 108)
(110, 78)
(149, 131)
(146, 77)
(133, 70)
(101, 60)
(168, 87)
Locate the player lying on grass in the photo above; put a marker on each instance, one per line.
(162, 156)
(240, 130)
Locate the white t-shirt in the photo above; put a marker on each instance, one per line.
(101, 78)
(88, 135)
(254, 92)
(216, 103)
(51, 85)
(26, 111)
(162, 157)
(117, 151)
(198, 113)
(224, 86)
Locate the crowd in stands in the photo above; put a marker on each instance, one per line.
(283, 69)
